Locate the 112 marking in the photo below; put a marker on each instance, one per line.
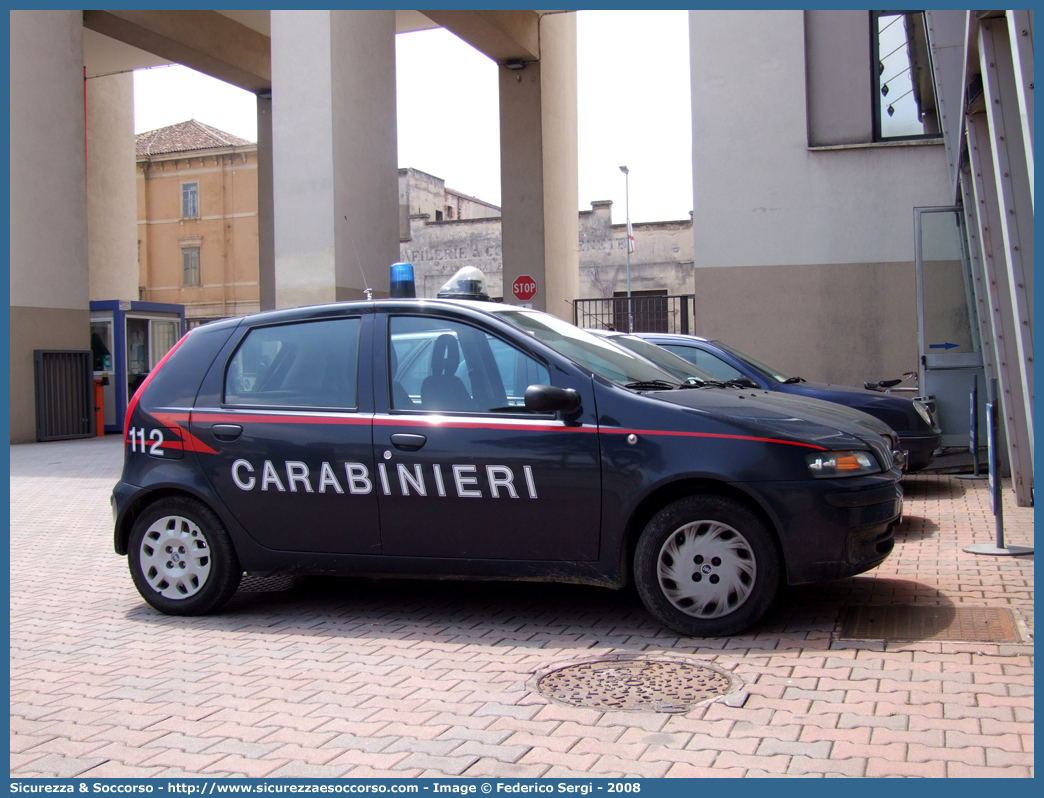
(138, 435)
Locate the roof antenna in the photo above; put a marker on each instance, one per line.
(367, 290)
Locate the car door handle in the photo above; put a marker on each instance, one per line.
(226, 432)
(408, 442)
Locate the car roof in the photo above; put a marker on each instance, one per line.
(333, 308)
(675, 336)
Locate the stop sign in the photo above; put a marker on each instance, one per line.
(524, 288)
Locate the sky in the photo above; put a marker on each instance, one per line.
(633, 109)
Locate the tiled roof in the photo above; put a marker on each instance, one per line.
(185, 137)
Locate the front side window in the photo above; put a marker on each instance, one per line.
(446, 366)
(308, 364)
(190, 200)
(904, 105)
(190, 266)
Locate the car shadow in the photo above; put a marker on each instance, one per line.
(921, 488)
(915, 527)
(520, 614)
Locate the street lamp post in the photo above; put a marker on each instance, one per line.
(627, 233)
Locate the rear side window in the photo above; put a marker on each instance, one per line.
(307, 364)
(176, 384)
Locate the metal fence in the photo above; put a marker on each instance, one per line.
(666, 314)
(64, 394)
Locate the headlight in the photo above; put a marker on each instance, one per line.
(842, 464)
(923, 412)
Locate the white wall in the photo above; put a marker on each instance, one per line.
(761, 196)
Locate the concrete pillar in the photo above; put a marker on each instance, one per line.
(49, 284)
(538, 167)
(334, 145)
(265, 209)
(112, 202)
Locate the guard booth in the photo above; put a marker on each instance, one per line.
(128, 339)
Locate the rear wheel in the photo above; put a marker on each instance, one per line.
(181, 558)
(707, 566)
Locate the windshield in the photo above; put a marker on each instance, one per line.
(682, 369)
(608, 361)
(777, 376)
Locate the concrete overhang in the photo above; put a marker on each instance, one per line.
(231, 45)
(235, 46)
(206, 41)
(501, 35)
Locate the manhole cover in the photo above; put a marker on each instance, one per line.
(904, 622)
(651, 685)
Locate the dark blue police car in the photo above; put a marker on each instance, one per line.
(477, 440)
(912, 419)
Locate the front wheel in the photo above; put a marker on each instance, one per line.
(181, 558)
(707, 566)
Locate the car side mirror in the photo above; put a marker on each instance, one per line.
(548, 399)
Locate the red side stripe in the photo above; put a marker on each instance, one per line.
(406, 421)
(178, 423)
(617, 431)
(280, 419)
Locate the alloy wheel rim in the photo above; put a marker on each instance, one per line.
(175, 557)
(706, 569)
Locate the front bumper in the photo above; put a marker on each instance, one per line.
(832, 528)
(919, 447)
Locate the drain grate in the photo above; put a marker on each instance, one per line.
(905, 622)
(650, 685)
(274, 583)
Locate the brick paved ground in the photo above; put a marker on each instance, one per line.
(358, 677)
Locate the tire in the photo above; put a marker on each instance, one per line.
(707, 566)
(181, 558)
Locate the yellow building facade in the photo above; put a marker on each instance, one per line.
(198, 221)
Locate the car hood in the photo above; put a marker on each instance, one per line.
(764, 413)
(824, 409)
(896, 411)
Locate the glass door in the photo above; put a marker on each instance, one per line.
(148, 340)
(101, 354)
(950, 355)
(163, 334)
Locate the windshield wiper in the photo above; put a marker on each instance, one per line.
(651, 385)
(741, 383)
(792, 380)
